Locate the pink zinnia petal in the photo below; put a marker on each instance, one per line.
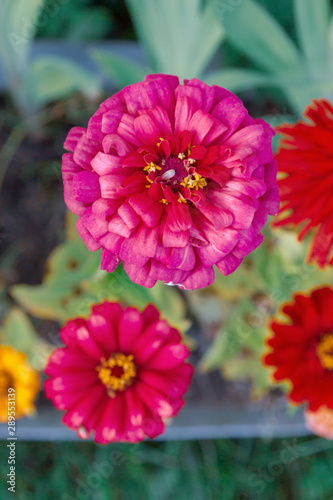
(121, 373)
(187, 167)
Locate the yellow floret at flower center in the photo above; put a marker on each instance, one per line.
(6, 381)
(195, 181)
(117, 372)
(325, 351)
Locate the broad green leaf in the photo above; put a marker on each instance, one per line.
(120, 70)
(70, 263)
(312, 23)
(42, 301)
(180, 36)
(253, 31)
(50, 78)
(238, 79)
(18, 331)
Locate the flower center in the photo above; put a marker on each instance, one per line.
(117, 372)
(177, 173)
(172, 172)
(6, 381)
(325, 351)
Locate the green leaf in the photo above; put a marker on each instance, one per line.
(238, 79)
(120, 70)
(18, 24)
(312, 23)
(42, 301)
(238, 347)
(255, 32)
(70, 263)
(180, 36)
(228, 339)
(74, 281)
(301, 93)
(50, 78)
(18, 331)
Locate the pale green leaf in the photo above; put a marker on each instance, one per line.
(18, 23)
(180, 36)
(42, 301)
(50, 78)
(70, 263)
(119, 69)
(238, 79)
(18, 331)
(312, 23)
(254, 32)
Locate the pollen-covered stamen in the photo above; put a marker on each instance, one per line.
(181, 199)
(173, 171)
(325, 351)
(194, 181)
(117, 373)
(151, 167)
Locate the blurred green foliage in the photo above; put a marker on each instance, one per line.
(242, 469)
(76, 20)
(74, 281)
(34, 83)
(251, 296)
(302, 71)
(180, 37)
(18, 331)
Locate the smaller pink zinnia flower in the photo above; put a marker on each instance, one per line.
(320, 422)
(121, 374)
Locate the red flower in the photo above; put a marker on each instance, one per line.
(302, 349)
(121, 373)
(306, 157)
(171, 180)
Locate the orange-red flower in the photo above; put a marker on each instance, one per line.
(305, 156)
(302, 348)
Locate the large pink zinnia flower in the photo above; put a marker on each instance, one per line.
(171, 179)
(121, 374)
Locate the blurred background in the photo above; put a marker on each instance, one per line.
(58, 60)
